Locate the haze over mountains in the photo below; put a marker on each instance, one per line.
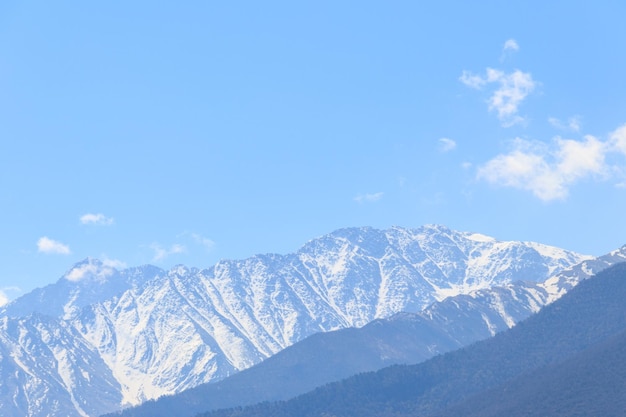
(107, 331)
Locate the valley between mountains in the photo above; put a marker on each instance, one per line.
(100, 339)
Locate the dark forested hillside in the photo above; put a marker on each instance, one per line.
(589, 315)
(591, 383)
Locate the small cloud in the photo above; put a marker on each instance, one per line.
(4, 294)
(473, 81)
(99, 219)
(547, 171)
(97, 270)
(617, 140)
(512, 89)
(466, 165)
(446, 145)
(368, 198)
(510, 45)
(206, 242)
(47, 245)
(160, 253)
(198, 239)
(4, 299)
(572, 124)
(113, 263)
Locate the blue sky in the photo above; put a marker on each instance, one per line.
(187, 132)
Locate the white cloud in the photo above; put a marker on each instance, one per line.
(100, 271)
(473, 81)
(113, 263)
(4, 299)
(578, 159)
(547, 171)
(446, 144)
(47, 245)
(572, 124)
(78, 273)
(510, 45)
(99, 219)
(160, 253)
(512, 89)
(617, 139)
(206, 242)
(368, 198)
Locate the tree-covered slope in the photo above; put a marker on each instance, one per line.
(591, 383)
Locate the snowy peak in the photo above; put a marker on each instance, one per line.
(86, 282)
(90, 269)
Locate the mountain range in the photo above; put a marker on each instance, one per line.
(101, 330)
(404, 338)
(567, 360)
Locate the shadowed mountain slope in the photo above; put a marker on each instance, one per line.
(591, 383)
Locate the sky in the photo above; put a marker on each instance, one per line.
(153, 132)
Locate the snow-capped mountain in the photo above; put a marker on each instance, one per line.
(404, 338)
(152, 332)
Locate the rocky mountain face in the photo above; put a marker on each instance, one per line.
(141, 333)
(404, 338)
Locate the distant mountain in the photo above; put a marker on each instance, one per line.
(404, 338)
(160, 332)
(590, 319)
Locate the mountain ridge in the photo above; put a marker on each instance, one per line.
(237, 313)
(587, 318)
(403, 338)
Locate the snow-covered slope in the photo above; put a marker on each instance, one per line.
(485, 312)
(161, 332)
(48, 369)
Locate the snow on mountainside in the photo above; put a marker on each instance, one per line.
(502, 306)
(403, 338)
(160, 332)
(87, 282)
(48, 369)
